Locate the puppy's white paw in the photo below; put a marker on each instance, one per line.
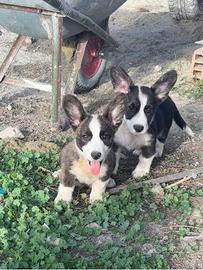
(64, 194)
(159, 149)
(98, 188)
(189, 131)
(62, 198)
(56, 174)
(136, 152)
(94, 197)
(111, 183)
(139, 172)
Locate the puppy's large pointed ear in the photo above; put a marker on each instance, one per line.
(116, 109)
(162, 87)
(120, 79)
(74, 110)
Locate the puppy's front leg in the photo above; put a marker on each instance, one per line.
(98, 188)
(66, 187)
(64, 194)
(118, 156)
(145, 161)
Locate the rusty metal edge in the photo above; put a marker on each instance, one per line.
(31, 10)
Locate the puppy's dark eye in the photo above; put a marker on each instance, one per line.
(148, 109)
(85, 137)
(105, 136)
(131, 106)
(134, 106)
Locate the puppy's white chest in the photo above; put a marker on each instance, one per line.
(131, 141)
(81, 170)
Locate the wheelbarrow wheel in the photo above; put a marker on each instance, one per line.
(93, 65)
(184, 9)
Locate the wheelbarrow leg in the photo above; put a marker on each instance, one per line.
(11, 55)
(70, 71)
(57, 24)
(80, 50)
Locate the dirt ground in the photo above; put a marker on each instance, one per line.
(149, 37)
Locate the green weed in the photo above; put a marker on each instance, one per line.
(35, 233)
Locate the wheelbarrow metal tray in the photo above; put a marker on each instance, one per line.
(39, 26)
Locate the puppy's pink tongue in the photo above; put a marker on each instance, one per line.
(95, 167)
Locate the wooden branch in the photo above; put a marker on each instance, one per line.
(160, 180)
(40, 168)
(179, 182)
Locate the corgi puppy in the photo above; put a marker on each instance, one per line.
(148, 118)
(89, 159)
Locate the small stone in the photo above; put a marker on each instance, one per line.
(11, 132)
(102, 239)
(93, 225)
(164, 240)
(9, 107)
(45, 226)
(194, 175)
(158, 193)
(53, 242)
(148, 249)
(197, 202)
(28, 40)
(157, 68)
(111, 183)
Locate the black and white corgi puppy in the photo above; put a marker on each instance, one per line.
(89, 159)
(148, 117)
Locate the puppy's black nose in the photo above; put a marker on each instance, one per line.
(138, 128)
(96, 155)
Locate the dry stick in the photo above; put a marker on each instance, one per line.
(194, 237)
(179, 182)
(182, 225)
(40, 168)
(160, 180)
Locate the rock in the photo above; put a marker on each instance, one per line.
(9, 107)
(148, 249)
(197, 202)
(28, 40)
(93, 225)
(45, 226)
(153, 229)
(11, 132)
(102, 239)
(158, 193)
(157, 68)
(197, 205)
(111, 183)
(53, 242)
(163, 240)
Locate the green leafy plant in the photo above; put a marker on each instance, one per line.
(35, 233)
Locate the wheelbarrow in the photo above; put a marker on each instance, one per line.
(79, 32)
